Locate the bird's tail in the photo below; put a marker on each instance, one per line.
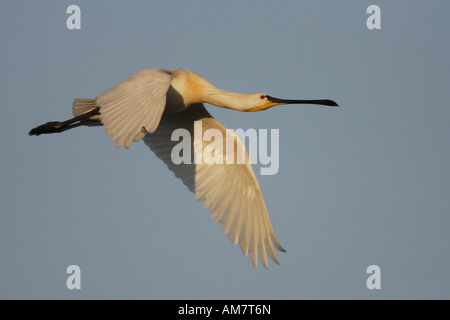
(81, 106)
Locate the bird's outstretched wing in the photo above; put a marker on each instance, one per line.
(230, 191)
(134, 106)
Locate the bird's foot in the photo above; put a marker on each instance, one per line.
(49, 127)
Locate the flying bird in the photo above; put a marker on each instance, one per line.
(152, 103)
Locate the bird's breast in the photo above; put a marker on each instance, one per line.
(186, 89)
(174, 101)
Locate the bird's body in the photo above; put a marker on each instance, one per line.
(150, 105)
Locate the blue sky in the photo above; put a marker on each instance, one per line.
(363, 184)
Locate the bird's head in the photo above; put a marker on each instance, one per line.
(262, 101)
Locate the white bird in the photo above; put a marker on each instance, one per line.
(150, 105)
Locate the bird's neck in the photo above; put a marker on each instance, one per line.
(229, 100)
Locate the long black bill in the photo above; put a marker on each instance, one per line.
(324, 102)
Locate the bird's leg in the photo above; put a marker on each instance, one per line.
(57, 126)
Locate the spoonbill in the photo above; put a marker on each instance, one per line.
(150, 105)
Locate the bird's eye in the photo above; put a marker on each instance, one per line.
(262, 96)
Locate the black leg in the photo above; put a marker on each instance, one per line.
(56, 126)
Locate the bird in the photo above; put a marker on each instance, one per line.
(149, 105)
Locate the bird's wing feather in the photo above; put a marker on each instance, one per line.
(134, 106)
(230, 191)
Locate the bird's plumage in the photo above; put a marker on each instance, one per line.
(134, 107)
(150, 105)
(230, 191)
